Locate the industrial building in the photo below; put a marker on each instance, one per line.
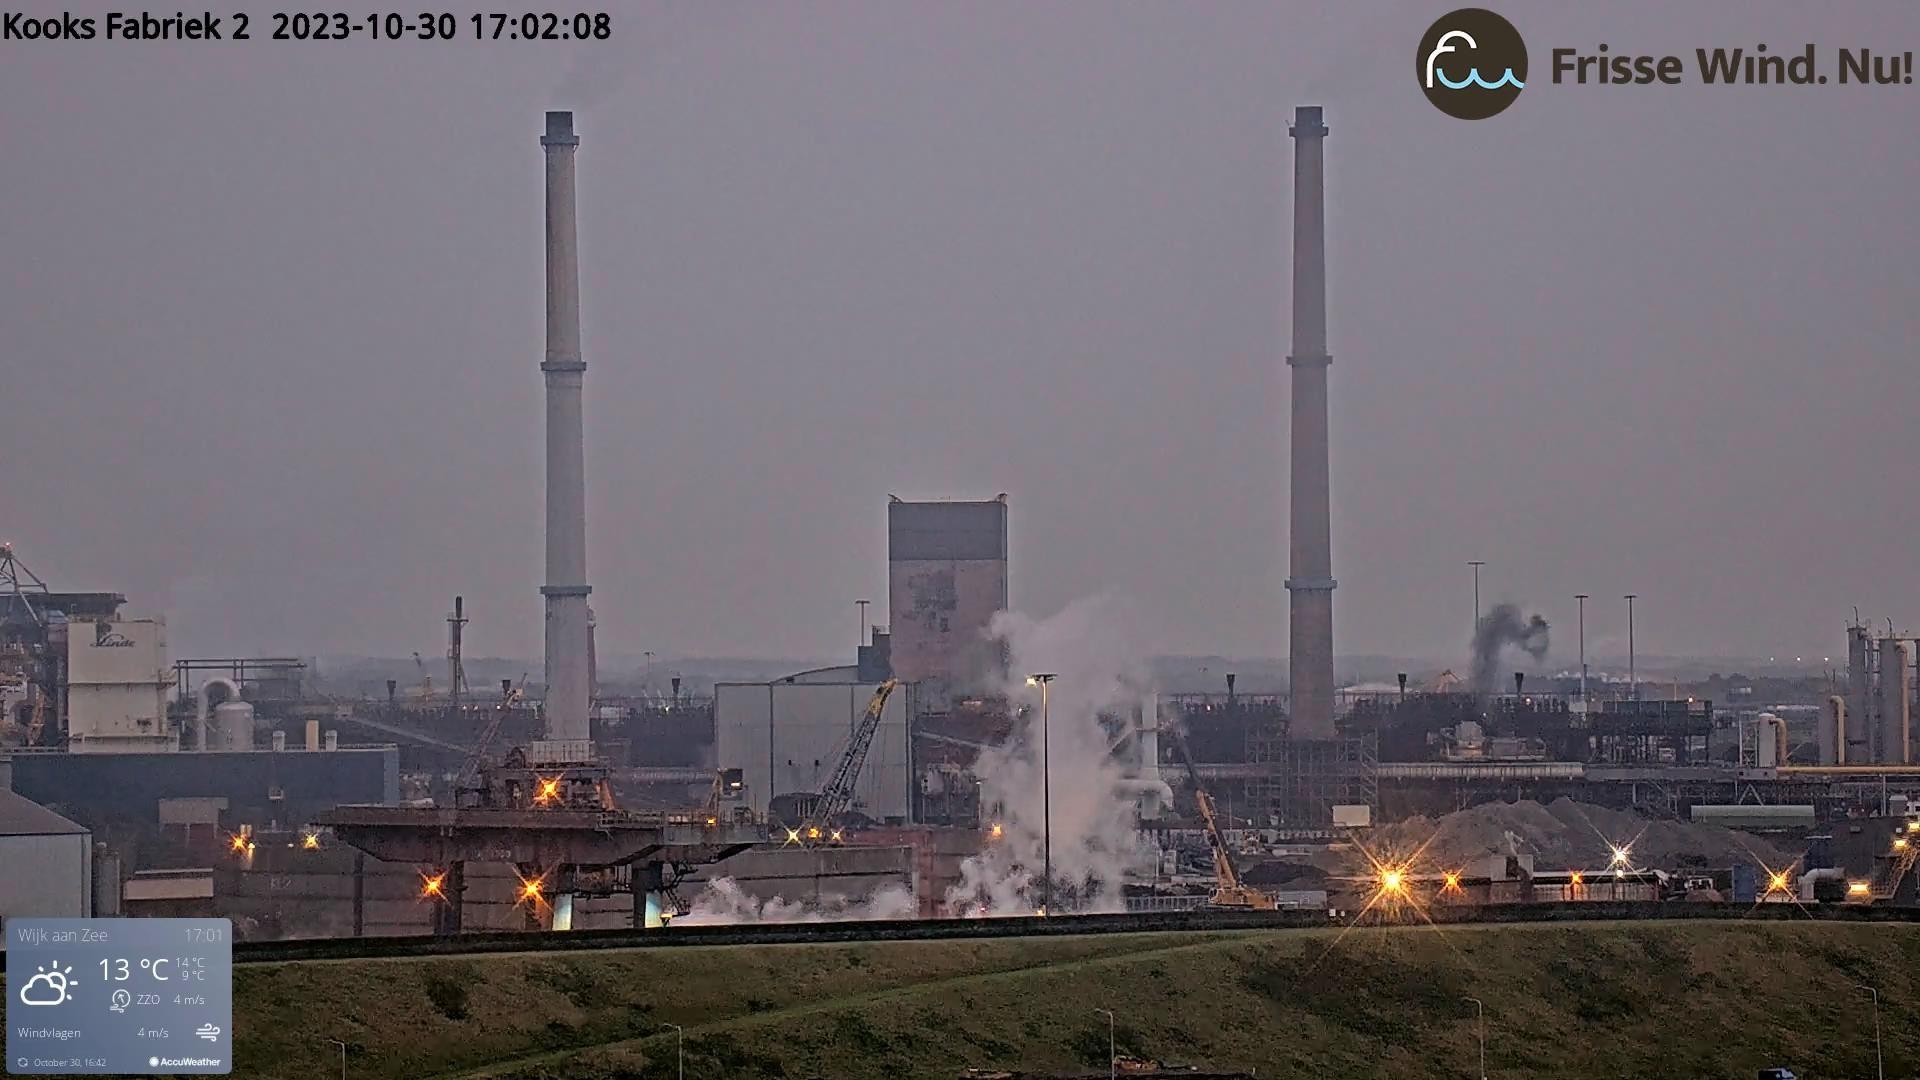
(1872, 723)
(118, 676)
(217, 789)
(226, 784)
(787, 735)
(946, 580)
(48, 860)
(37, 638)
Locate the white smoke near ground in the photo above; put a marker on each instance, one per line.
(1092, 650)
(724, 903)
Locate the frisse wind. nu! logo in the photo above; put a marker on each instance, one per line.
(1472, 63)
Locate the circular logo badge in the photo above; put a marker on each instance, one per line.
(1471, 64)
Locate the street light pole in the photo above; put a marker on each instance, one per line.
(1633, 680)
(1880, 1062)
(343, 1057)
(1582, 597)
(1481, 1008)
(863, 620)
(1113, 1059)
(1476, 564)
(1044, 680)
(679, 1052)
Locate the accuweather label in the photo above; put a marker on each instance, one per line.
(117, 996)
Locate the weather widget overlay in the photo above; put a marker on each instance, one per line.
(119, 996)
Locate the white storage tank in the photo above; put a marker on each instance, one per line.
(234, 721)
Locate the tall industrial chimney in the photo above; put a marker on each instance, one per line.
(1310, 569)
(1861, 705)
(566, 588)
(1896, 660)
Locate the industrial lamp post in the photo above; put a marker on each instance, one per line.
(1633, 680)
(1113, 1059)
(1582, 597)
(1044, 681)
(1880, 1062)
(1480, 1008)
(679, 1055)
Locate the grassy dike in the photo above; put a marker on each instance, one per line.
(1628, 1000)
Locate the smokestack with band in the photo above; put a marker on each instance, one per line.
(566, 588)
(1310, 569)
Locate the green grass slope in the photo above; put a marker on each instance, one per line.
(1595, 1000)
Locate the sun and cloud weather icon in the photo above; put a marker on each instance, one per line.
(49, 985)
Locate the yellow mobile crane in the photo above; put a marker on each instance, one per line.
(820, 814)
(1230, 891)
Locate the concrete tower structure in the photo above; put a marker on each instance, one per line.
(1896, 699)
(946, 580)
(1310, 568)
(1861, 745)
(568, 648)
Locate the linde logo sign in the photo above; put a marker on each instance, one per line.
(1472, 64)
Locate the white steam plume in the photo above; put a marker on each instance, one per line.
(724, 903)
(1092, 650)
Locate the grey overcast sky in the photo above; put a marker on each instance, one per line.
(272, 314)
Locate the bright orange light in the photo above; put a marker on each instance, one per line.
(997, 831)
(311, 841)
(549, 790)
(530, 890)
(1392, 880)
(1621, 855)
(433, 887)
(239, 843)
(1777, 881)
(1900, 843)
(1452, 881)
(1576, 879)
(711, 822)
(1857, 888)
(835, 838)
(1913, 826)
(813, 832)
(793, 836)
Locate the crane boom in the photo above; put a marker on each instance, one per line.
(470, 768)
(837, 797)
(1230, 890)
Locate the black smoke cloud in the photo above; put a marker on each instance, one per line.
(1499, 629)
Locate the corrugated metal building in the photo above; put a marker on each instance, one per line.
(787, 735)
(46, 861)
